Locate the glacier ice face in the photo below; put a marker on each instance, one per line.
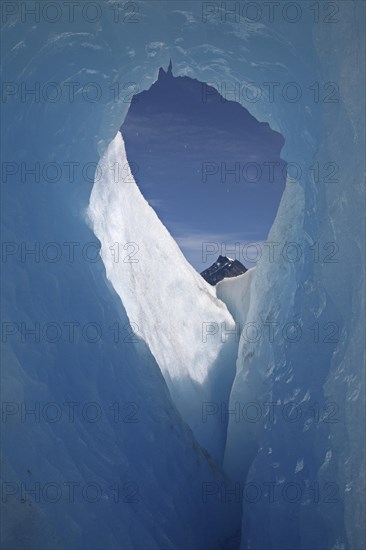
(235, 293)
(152, 472)
(298, 441)
(172, 307)
(95, 453)
(258, 354)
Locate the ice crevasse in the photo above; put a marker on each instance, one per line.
(172, 307)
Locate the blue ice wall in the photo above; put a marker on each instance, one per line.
(318, 48)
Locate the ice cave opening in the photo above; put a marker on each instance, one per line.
(203, 172)
(190, 326)
(212, 171)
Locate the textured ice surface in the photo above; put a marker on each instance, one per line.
(235, 293)
(139, 453)
(172, 307)
(306, 386)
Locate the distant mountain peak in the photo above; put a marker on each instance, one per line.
(222, 268)
(222, 259)
(164, 73)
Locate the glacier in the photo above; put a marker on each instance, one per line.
(153, 464)
(236, 294)
(188, 330)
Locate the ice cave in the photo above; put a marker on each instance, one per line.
(142, 407)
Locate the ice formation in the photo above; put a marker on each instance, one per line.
(190, 332)
(235, 293)
(156, 462)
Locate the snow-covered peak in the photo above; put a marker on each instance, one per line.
(222, 268)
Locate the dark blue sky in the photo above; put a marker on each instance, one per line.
(183, 139)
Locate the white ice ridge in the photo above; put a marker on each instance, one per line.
(171, 306)
(235, 293)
